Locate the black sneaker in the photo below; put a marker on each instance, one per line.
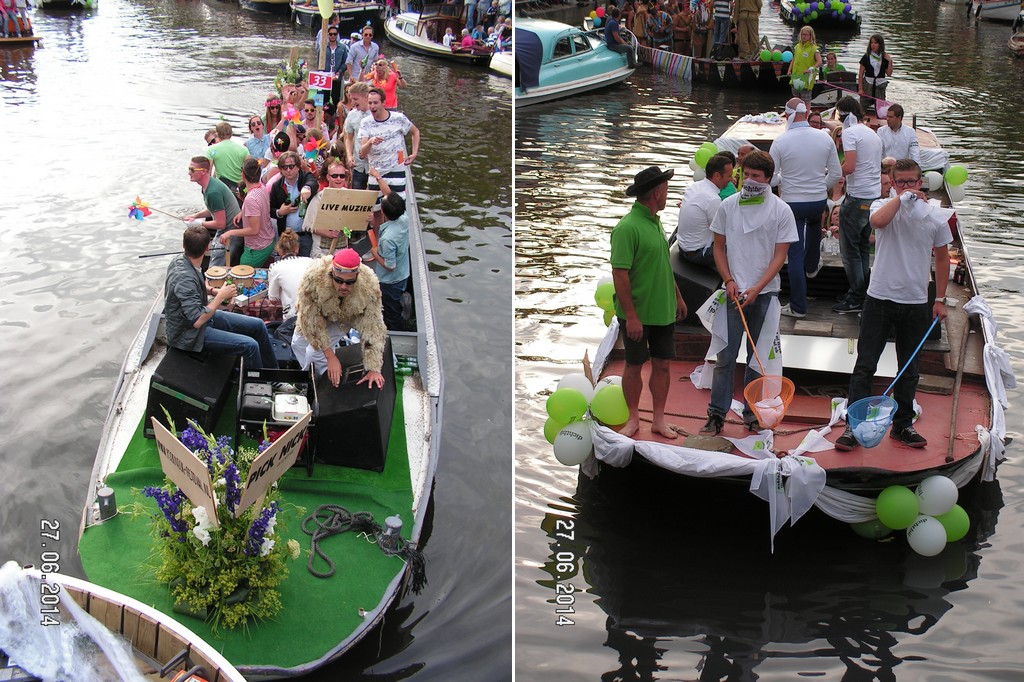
(847, 307)
(908, 437)
(713, 426)
(846, 442)
(753, 426)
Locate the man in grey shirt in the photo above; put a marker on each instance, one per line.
(363, 54)
(360, 110)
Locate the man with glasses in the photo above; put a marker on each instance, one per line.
(290, 196)
(382, 144)
(309, 116)
(362, 55)
(195, 323)
(335, 61)
(908, 234)
(337, 295)
(221, 209)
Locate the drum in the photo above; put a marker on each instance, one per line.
(243, 276)
(216, 276)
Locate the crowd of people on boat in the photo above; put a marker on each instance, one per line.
(757, 212)
(262, 199)
(14, 17)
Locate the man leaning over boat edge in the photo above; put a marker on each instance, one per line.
(644, 288)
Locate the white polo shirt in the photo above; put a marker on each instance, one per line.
(806, 163)
(900, 144)
(700, 202)
(865, 182)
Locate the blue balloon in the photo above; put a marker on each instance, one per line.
(787, 56)
(847, 8)
(597, 22)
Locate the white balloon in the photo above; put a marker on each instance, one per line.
(936, 495)
(934, 180)
(573, 445)
(610, 380)
(693, 165)
(956, 193)
(580, 382)
(699, 174)
(926, 536)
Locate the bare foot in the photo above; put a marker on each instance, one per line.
(664, 430)
(630, 429)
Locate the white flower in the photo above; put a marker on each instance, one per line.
(265, 548)
(270, 525)
(203, 525)
(221, 483)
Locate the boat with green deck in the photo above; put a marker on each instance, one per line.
(320, 618)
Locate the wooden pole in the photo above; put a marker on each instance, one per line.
(956, 387)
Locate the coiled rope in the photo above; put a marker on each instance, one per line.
(333, 519)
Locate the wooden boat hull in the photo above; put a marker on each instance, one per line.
(16, 41)
(154, 637)
(406, 30)
(421, 407)
(825, 18)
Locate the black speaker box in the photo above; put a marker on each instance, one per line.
(189, 386)
(353, 422)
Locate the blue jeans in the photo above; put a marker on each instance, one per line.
(812, 240)
(234, 334)
(721, 29)
(391, 297)
(359, 179)
(854, 245)
(808, 220)
(722, 385)
(471, 16)
(911, 321)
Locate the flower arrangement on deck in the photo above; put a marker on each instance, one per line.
(229, 574)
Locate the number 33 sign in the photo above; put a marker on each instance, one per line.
(320, 80)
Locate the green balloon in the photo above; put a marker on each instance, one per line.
(608, 315)
(897, 507)
(567, 405)
(710, 146)
(871, 530)
(604, 296)
(609, 405)
(814, 15)
(766, 55)
(956, 522)
(956, 175)
(702, 156)
(551, 428)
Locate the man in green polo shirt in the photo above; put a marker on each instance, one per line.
(647, 301)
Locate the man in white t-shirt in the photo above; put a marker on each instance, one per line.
(753, 230)
(699, 205)
(382, 143)
(908, 234)
(806, 167)
(898, 141)
(862, 166)
(360, 110)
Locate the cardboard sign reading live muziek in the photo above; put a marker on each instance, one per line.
(272, 464)
(186, 471)
(341, 208)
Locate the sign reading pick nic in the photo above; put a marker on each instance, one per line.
(186, 471)
(341, 208)
(272, 464)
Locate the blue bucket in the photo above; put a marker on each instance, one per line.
(869, 418)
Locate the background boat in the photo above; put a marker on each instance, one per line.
(555, 60)
(503, 63)
(422, 33)
(829, 18)
(731, 73)
(268, 6)
(995, 10)
(353, 15)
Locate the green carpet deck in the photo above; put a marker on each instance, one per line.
(317, 613)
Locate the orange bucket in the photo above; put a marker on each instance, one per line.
(769, 396)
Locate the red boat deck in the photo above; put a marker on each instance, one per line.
(810, 409)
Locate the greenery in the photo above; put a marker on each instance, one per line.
(290, 73)
(229, 574)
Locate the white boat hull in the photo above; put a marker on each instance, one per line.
(547, 93)
(998, 10)
(503, 63)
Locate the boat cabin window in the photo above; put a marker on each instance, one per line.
(563, 48)
(409, 28)
(581, 44)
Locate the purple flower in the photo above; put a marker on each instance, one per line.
(193, 440)
(170, 505)
(232, 490)
(263, 446)
(254, 542)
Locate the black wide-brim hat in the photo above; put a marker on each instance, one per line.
(647, 179)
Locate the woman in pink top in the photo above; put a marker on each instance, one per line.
(388, 80)
(256, 226)
(467, 40)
